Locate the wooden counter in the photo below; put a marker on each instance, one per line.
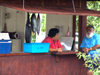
(41, 64)
(66, 53)
(57, 53)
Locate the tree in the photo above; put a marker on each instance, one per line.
(95, 21)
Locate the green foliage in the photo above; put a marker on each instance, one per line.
(93, 5)
(88, 62)
(43, 23)
(77, 23)
(34, 37)
(95, 21)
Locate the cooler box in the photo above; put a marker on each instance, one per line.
(36, 47)
(5, 46)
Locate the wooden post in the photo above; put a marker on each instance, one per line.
(82, 24)
(74, 30)
(82, 28)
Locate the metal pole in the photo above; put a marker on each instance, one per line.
(73, 5)
(23, 4)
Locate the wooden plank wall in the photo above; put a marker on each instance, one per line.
(41, 64)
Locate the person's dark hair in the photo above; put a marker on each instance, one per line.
(52, 32)
(90, 26)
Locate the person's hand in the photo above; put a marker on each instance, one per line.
(59, 50)
(86, 50)
(53, 50)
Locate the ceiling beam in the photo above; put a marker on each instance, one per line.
(50, 7)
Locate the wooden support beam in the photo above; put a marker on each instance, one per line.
(74, 30)
(49, 10)
(44, 3)
(51, 7)
(82, 28)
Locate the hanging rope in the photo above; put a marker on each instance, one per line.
(23, 4)
(73, 5)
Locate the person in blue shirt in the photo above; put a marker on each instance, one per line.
(90, 43)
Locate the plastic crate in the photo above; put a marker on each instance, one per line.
(36, 47)
(5, 46)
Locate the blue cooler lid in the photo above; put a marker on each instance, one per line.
(5, 41)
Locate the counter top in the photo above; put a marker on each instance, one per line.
(54, 53)
(66, 53)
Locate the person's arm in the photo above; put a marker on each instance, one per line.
(60, 47)
(53, 50)
(95, 47)
(86, 50)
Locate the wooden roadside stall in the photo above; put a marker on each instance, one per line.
(65, 63)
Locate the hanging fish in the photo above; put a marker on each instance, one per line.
(38, 24)
(28, 30)
(33, 23)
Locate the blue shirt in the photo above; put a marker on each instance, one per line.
(90, 42)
